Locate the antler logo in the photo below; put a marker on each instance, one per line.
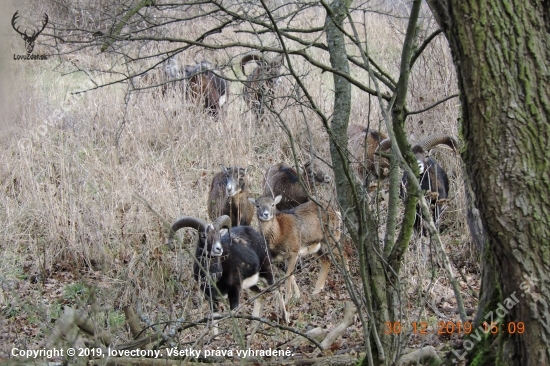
(29, 39)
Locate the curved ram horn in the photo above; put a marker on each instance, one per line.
(384, 145)
(434, 140)
(251, 56)
(222, 222)
(186, 221)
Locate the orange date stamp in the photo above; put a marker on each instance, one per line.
(450, 327)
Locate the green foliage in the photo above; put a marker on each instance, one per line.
(11, 310)
(116, 318)
(56, 309)
(76, 293)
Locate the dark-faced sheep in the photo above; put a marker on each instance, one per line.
(230, 261)
(229, 194)
(433, 178)
(260, 85)
(307, 229)
(282, 179)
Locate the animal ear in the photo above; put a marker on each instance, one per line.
(249, 168)
(223, 168)
(252, 200)
(277, 199)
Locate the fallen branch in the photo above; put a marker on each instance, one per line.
(420, 356)
(322, 334)
(141, 343)
(67, 323)
(86, 325)
(132, 320)
(316, 333)
(349, 314)
(65, 329)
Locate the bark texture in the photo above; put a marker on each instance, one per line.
(342, 103)
(502, 54)
(357, 218)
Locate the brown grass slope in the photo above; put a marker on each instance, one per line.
(75, 173)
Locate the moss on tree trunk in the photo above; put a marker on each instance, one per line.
(502, 55)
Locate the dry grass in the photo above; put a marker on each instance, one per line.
(75, 173)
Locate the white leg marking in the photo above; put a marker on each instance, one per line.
(314, 248)
(250, 281)
(215, 329)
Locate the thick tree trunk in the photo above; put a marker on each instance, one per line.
(502, 54)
